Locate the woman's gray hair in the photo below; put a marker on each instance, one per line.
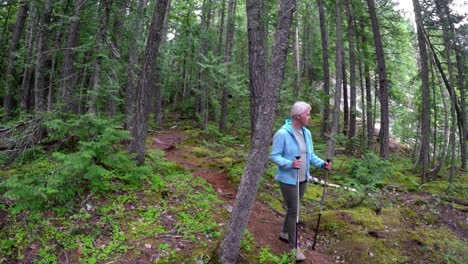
(299, 108)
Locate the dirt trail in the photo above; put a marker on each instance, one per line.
(264, 224)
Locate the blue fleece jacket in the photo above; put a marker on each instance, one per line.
(284, 150)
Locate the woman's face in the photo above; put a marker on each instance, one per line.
(304, 118)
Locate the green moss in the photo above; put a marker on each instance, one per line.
(410, 183)
(366, 218)
(200, 152)
(391, 216)
(227, 161)
(435, 187)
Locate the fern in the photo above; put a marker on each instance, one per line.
(97, 165)
(369, 172)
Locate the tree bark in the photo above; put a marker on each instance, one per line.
(41, 69)
(8, 99)
(100, 39)
(384, 133)
(367, 81)
(331, 143)
(227, 61)
(461, 75)
(140, 127)
(345, 95)
(202, 97)
(326, 71)
(257, 36)
(158, 78)
(258, 154)
(425, 93)
(27, 84)
(448, 49)
(352, 78)
(68, 79)
(297, 64)
(132, 69)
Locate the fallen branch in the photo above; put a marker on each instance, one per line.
(322, 182)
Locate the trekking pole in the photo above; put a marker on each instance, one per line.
(297, 188)
(321, 206)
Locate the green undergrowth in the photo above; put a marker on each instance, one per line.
(170, 214)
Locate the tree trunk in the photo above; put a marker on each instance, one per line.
(115, 51)
(383, 83)
(425, 94)
(4, 37)
(68, 79)
(459, 61)
(27, 84)
(436, 168)
(8, 99)
(139, 131)
(367, 79)
(331, 143)
(257, 35)
(100, 40)
(352, 78)
(41, 69)
(345, 95)
(258, 154)
(158, 78)
(363, 93)
(227, 61)
(453, 97)
(448, 49)
(326, 71)
(132, 69)
(297, 64)
(202, 97)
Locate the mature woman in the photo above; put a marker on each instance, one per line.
(293, 140)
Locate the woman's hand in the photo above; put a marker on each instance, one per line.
(297, 164)
(327, 166)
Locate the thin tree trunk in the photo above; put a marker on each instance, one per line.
(384, 133)
(68, 79)
(158, 78)
(41, 59)
(453, 98)
(100, 39)
(8, 99)
(363, 96)
(202, 97)
(367, 79)
(352, 78)
(331, 143)
(345, 95)
(115, 51)
(297, 64)
(258, 155)
(142, 108)
(326, 71)
(227, 61)
(448, 48)
(459, 61)
(132, 69)
(425, 94)
(27, 84)
(257, 35)
(436, 168)
(4, 38)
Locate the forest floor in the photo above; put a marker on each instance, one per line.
(264, 223)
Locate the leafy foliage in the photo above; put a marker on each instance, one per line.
(369, 172)
(97, 166)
